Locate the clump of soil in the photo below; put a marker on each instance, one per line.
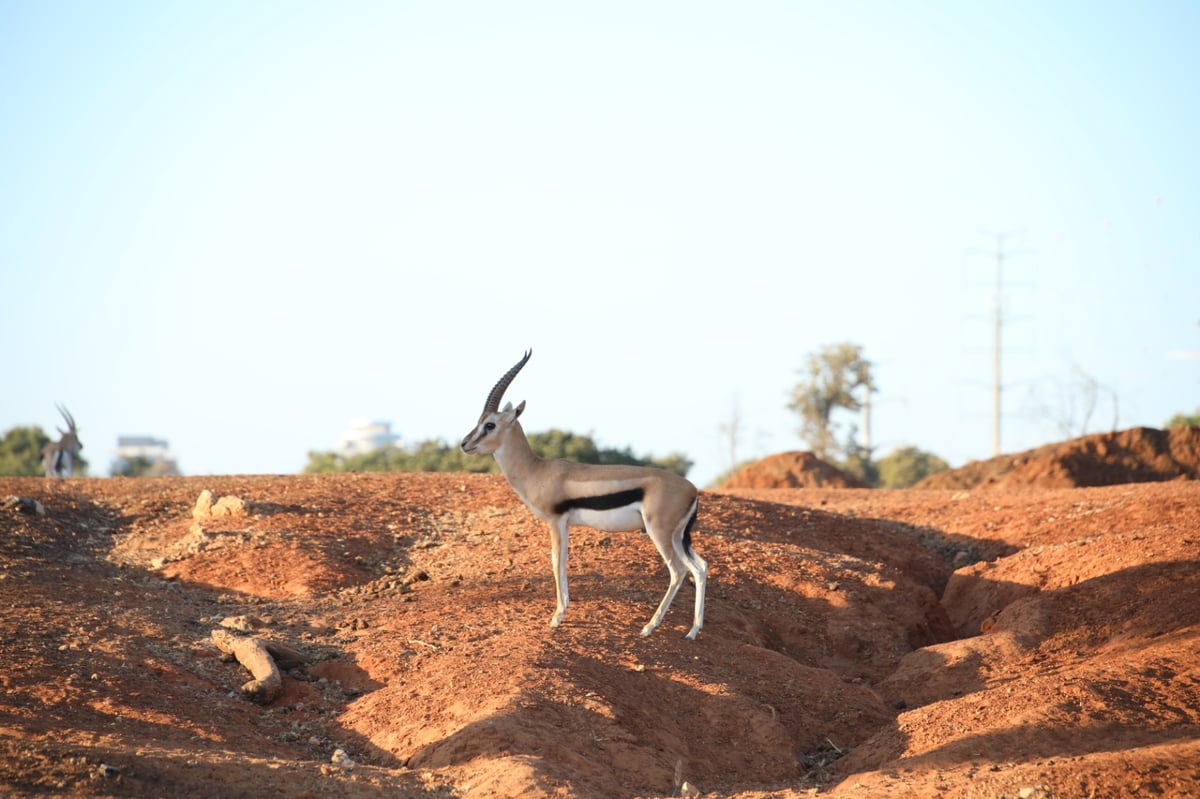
(791, 470)
(1138, 455)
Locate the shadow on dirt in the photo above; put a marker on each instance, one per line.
(1094, 707)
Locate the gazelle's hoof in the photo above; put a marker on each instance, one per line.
(649, 628)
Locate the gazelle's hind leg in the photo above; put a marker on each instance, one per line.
(676, 567)
(698, 566)
(677, 553)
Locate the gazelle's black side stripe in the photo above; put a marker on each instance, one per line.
(602, 501)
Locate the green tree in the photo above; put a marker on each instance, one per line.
(858, 463)
(582, 449)
(323, 463)
(830, 378)
(562, 444)
(907, 465)
(1183, 420)
(428, 456)
(439, 456)
(21, 452)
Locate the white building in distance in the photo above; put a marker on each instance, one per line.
(365, 436)
(151, 456)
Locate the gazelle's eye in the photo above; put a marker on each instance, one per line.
(489, 427)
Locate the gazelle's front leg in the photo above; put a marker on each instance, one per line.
(559, 530)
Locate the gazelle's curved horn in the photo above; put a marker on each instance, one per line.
(67, 416)
(493, 401)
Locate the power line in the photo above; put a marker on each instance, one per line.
(997, 327)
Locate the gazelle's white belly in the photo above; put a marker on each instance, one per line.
(616, 520)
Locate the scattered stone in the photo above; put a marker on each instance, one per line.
(415, 576)
(243, 624)
(341, 759)
(206, 507)
(197, 539)
(229, 506)
(203, 508)
(22, 505)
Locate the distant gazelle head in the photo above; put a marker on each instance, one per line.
(70, 436)
(486, 436)
(59, 457)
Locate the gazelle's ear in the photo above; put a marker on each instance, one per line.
(507, 407)
(520, 410)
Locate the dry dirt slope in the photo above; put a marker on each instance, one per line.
(842, 650)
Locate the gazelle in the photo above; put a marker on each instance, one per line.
(611, 498)
(59, 456)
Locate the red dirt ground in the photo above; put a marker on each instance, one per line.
(858, 643)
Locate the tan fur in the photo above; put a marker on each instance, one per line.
(666, 508)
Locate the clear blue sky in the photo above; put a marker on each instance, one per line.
(238, 225)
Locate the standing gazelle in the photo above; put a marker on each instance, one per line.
(59, 456)
(605, 497)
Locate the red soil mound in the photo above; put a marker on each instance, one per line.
(792, 470)
(1138, 455)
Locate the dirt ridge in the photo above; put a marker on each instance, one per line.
(1136, 455)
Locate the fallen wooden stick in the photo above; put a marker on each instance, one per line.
(259, 658)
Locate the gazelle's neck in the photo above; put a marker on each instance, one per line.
(514, 455)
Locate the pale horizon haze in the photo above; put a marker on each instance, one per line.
(238, 226)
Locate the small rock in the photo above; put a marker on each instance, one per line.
(341, 759)
(243, 624)
(229, 506)
(207, 507)
(23, 505)
(203, 506)
(415, 576)
(198, 538)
